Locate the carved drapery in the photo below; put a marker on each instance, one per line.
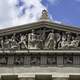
(40, 39)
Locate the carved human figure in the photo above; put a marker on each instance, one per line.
(51, 60)
(32, 40)
(35, 60)
(41, 39)
(7, 42)
(65, 43)
(22, 42)
(3, 60)
(74, 42)
(68, 36)
(61, 44)
(68, 59)
(68, 40)
(1, 43)
(13, 43)
(50, 41)
(39, 42)
(57, 39)
(19, 60)
(64, 36)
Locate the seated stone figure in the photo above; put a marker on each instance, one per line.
(74, 42)
(67, 43)
(64, 44)
(13, 43)
(10, 43)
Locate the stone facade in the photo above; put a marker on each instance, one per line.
(44, 49)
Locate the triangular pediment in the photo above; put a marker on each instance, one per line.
(39, 24)
(40, 35)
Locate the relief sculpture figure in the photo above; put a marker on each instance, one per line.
(51, 60)
(74, 42)
(22, 43)
(68, 59)
(13, 43)
(32, 40)
(41, 40)
(35, 60)
(50, 41)
(68, 42)
(7, 42)
(3, 60)
(19, 60)
(1, 43)
(57, 39)
(65, 43)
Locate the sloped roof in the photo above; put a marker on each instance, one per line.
(43, 23)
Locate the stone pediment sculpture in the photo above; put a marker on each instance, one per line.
(41, 47)
(40, 35)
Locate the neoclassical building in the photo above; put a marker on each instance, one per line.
(42, 50)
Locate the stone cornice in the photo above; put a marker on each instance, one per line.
(11, 52)
(39, 24)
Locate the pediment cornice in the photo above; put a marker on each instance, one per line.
(39, 24)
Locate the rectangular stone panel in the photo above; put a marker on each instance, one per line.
(60, 78)
(51, 59)
(68, 59)
(43, 77)
(74, 77)
(9, 77)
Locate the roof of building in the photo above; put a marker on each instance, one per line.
(44, 21)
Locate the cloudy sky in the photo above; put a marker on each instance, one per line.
(17, 12)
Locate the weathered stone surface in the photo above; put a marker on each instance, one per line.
(40, 48)
(63, 78)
